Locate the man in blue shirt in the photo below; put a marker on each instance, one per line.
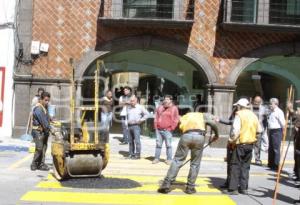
(40, 132)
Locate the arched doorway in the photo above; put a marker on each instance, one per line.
(151, 74)
(270, 77)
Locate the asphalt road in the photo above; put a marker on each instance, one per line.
(134, 182)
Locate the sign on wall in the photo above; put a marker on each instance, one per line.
(2, 83)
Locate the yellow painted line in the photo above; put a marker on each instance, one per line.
(120, 159)
(207, 188)
(128, 199)
(21, 161)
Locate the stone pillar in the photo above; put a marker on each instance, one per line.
(220, 100)
(78, 100)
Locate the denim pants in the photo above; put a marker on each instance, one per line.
(40, 139)
(124, 128)
(190, 141)
(106, 118)
(257, 147)
(161, 136)
(134, 140)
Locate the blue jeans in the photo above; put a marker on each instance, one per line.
(124, 129)
(106, 118)
(134, 140)
(161, 136)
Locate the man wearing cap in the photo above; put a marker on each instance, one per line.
(193, 127)
(243, 135)
(276, 123)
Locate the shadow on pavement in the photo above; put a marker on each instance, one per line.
(124, 153)
(262, 192)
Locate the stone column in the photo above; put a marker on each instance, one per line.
(78, 100)
(220, 100)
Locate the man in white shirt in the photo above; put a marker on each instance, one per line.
(124, 101)
(276, 123)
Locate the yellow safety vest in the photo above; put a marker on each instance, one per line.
(249, 126)
(192, 121)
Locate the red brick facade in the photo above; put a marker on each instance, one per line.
(70, 27)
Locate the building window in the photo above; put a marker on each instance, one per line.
(285, 11)
(162, 9)
(244, 11)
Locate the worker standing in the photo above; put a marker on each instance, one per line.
(124, 101)
(193, 128)
(40, 132)
(243, 135)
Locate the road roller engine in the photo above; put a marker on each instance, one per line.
(80, 148)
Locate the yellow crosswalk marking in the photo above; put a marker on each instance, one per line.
(206, 188)
(126, 199)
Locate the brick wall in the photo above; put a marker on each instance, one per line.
(70, 27)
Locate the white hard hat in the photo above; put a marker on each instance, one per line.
(242, 102)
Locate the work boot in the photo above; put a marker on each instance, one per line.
(33, 167)
(224, 186)
(190, 190)
(44, 167)
(244, 191)
(231, 192)
(169, 162)
(155, 161)
(164, 188)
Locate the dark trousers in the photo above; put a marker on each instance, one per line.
(229, 151)
(40, 140)
(297, 154)
(134, 132)
(275, 137)
(190, 141)
(240, 167)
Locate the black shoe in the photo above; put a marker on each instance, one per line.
(33, 167)
(297, 202)
(231, 192)
(44, 167)
(123, 143)
(164, 189)
(244, 191)
(224, 186)
(190, 190)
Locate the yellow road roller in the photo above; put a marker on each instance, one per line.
(79, 148)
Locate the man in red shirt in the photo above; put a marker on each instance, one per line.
(166, 120)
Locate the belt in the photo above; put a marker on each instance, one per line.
(200, 132)
(133, 124)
